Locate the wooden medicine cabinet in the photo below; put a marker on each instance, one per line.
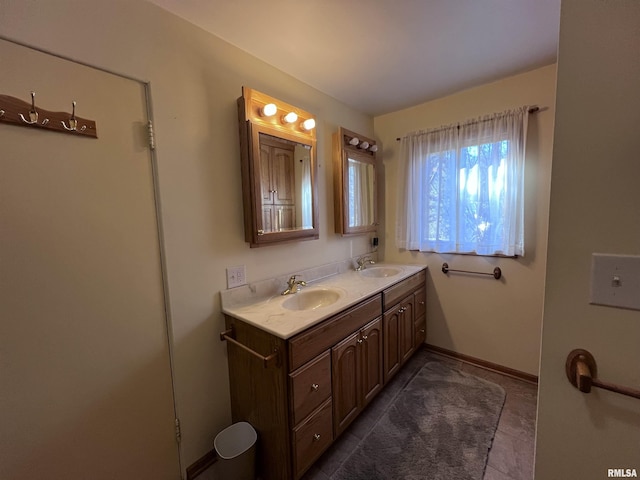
(354, 167)
(279, 170)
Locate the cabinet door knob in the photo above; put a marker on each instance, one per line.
(422, 330)
(359, 340)
(314, 386)
(364, 337)
(421, 303)
(316, 437)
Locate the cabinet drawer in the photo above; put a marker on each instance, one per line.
(421, 302)
(310, 386)
(310, 343)
(395, 293)
(312, 438)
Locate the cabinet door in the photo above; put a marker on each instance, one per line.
(267, 218)
(285, 217)
(420, 331)
(265, 174)
(406, 329)
(372, 377)
(283, 176)
(346, 380)
(391, 327)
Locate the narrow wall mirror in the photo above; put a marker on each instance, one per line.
(354, 167)
(279, 171)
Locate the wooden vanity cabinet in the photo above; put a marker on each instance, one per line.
(400, 321)
(323, 377)
(357, 373)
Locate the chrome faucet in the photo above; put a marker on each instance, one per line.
(362, 262)
(293, 285)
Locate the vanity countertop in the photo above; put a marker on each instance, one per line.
(265, 309)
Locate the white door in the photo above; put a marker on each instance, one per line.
(595, 208)
(85, 377)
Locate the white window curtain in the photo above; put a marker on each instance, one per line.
(461, 187)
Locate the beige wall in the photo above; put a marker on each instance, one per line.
(498, 321)
(195, 81)
(595, 207)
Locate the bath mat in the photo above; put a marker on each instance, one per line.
(439, 427)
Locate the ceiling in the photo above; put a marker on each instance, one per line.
(379, 56)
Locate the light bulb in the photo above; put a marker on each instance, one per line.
(354, 141)
(290, 117)
(373, 148)
(269, 110)
(364, 145)
(308, 124)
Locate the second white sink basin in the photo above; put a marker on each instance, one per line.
(311, 299)
(379, 272)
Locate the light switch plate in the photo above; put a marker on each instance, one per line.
(615, 280)
(236, 276)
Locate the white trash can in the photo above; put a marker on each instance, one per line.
(236, 447)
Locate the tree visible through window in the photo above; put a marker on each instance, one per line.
(461, 187)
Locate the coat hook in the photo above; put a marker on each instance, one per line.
(33, 113)
(73, 123)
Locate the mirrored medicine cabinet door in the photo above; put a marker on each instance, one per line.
(354, 166)
(278, 153)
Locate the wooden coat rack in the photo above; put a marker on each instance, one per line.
(18, 112)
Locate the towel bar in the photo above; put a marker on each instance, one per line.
(226, 335)
(497, 273)
(582, 371)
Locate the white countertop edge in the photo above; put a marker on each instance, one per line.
(266, 311)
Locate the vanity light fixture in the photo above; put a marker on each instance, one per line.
(290, 117)
(354, 141)
(273, 137)
(308, 124)
(269, 110)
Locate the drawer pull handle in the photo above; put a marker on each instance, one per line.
(422, 330)
(314, 386)
(316, 437)
(364, 337)
(359, 340)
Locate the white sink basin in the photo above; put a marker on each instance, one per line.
(311, 299)
(379, 272)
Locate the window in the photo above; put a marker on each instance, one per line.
(461, 187)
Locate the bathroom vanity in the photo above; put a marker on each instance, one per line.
(303, 366)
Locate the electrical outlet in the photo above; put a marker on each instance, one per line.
(236, 276)
(615, 280)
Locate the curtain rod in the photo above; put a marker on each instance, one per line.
(531, 110)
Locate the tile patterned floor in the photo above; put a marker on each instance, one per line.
(511, 456)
